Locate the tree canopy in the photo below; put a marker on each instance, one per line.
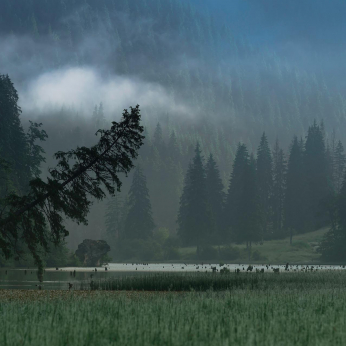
(37, 217)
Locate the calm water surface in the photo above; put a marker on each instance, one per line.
(54, 279)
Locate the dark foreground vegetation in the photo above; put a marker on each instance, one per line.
(224, 280)
(285, 309)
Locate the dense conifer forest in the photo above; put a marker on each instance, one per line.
(243, 143)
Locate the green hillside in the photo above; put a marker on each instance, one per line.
(303, 250)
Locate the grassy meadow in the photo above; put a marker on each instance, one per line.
(302, 250)
(285, 309)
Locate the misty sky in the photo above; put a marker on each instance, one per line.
(309, 33)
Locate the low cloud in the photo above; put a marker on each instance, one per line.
(83, 88)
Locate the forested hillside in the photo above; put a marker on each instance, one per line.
(206, 79)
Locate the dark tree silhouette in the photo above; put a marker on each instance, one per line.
(264, 177)
(139, 222)
(279, 187)
(37, 217)
(241, 209)
(294, 207)
(215, 196)
(194, 218)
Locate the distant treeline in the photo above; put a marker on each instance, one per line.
(270, 194)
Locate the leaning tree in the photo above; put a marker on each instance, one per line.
(80, 175)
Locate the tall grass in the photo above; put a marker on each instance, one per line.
(314, 315)
(217, 282)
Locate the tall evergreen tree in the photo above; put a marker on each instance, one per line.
(333, 245)
(339, 166)
(13, 141)
(194, 217)
(173, 148)
(279, 186)
(215, 195)
(294, 207)
(158, 141)
(316, 173)
(264, 183)
(139, 223)
(241, 208)
(113, 218)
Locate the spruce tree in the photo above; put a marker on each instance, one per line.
(174, 179)
(339, 166)
(173, 148)
(158, 141)
(316, 173)
(215, 195)
(333, 245)
(194, 217)
(241, 213)
(139, 223)
(113, 218)
(294, 205)
(264, 183)
(279, 186)
(13, 141)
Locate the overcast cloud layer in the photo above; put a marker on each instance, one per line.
(83, 87)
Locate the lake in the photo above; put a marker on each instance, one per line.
(54, 279)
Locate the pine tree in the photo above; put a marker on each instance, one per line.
(139, 223)
(173, 148)
(158, 141)
(215, 195)
(339, 166)
(294, 207)
(241, 213)
(113, 218)
(194, 218)
(279, 186)
(316, 173)
(333, 245)
(264, 183)
(13, 141)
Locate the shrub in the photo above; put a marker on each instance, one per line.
(225, 270)
(160, 235)
(257, 256)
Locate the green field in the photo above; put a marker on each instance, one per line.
(302, 250)
(285, 309)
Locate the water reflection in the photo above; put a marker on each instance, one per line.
(63, 278)
(52, 280)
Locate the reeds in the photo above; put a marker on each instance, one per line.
(314, 315)
(215, 281)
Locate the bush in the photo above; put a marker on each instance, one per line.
(257, 256)
(225, 271)
(105, 259)
(160, 235)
